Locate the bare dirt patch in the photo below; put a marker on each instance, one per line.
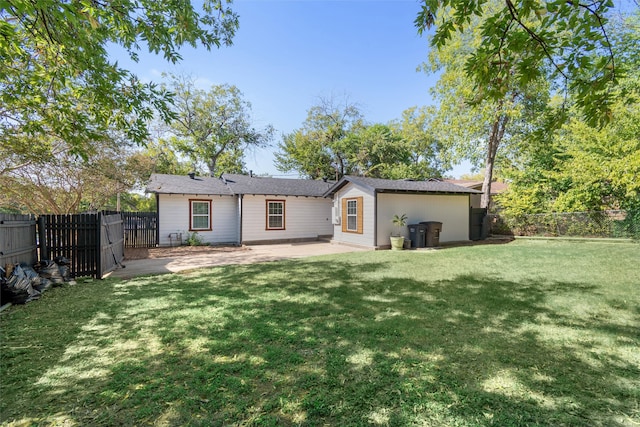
(177, 251)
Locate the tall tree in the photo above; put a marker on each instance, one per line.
(62, 182)
(335, 141)
(56, 78)
(424, 148)
(379, 152)
(579, 167)
(321, 147)
(522, 40)
(213, 127)
(471, 126)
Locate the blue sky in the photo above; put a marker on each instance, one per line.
(289, 53)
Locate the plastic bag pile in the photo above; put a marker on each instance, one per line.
(21, 283)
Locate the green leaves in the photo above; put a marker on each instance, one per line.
(213, 128)
(524, 40)
(335, 141)
(56, 77)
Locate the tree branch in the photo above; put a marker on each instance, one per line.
(514, 14)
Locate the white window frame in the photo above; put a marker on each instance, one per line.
(353, 215)
(278, 215)
(193, 215)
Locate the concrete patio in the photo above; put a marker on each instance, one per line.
(244, 255)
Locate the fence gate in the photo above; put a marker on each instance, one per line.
(18, 239)
(111, 242)
(478, 229)
(93, 243)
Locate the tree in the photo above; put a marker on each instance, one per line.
(321, 147)
(469, 125)
(523, 40)
(336, 141)
(213, 127)
(56, 78)
(579, 167)
(158, 156)
(61, 182)
(424, 148)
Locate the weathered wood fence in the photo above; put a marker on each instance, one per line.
(18, 239)
(140, 229)
(92, 243)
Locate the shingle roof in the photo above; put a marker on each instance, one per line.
(244, 184)
(400, 186)
(231, 184)
(496, 186)
(181, 184)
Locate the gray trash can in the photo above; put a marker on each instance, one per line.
(417, 234)
(433, 233)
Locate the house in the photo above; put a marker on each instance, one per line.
(497, 187)
(247, 209)
(240, 209)
(364, 207)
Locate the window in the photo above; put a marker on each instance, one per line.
(275, 214)
(200, 213)
(352, 215)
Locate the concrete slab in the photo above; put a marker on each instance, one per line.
(250, 254)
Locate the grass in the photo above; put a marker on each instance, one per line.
(526, 333)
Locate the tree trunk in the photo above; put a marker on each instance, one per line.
(495, 138)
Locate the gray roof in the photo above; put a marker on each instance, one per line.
(244, 184)
(400, 186)
(231, 184)
(183, 184)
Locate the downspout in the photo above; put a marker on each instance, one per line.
(240, 196)
(157, 219)
(375, 218)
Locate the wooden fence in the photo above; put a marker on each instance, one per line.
(18, 239)
(92, 243)
(140, 229)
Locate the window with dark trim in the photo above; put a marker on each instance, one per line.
(199, 215)
(275, 215)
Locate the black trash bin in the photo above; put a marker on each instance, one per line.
(433, 233)
(417, 234)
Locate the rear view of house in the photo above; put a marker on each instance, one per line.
(240, 209)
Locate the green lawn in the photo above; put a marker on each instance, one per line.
(525, 333)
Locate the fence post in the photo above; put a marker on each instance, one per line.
(42, 237)
(99, 245)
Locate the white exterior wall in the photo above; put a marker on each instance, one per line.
(367, 238)
(305, 218)
(451, 210)
(173, 212)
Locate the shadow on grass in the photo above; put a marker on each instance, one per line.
(331, 342)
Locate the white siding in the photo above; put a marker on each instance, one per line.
(368, 223)
(451, 210)
(305, 218)
(173, 212)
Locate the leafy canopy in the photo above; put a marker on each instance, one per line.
(335, 140)
(524, 40)
(213, 127)
(56, 77)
